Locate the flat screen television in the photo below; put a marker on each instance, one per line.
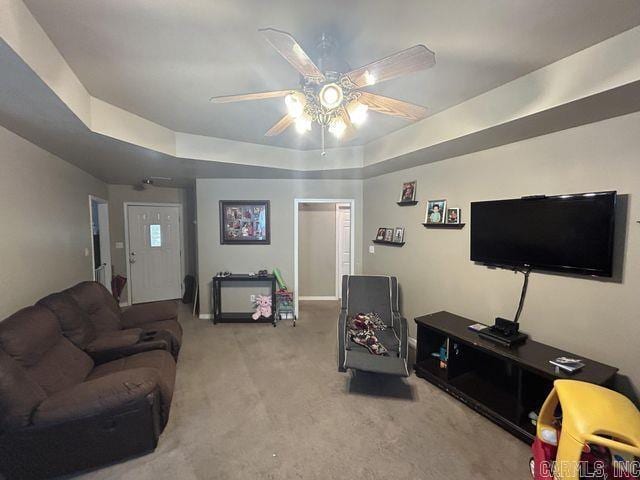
(565, 233)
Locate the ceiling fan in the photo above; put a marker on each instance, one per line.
(149, 182)
(332, 97)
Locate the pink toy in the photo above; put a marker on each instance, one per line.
(263, 307)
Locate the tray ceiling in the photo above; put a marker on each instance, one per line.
(163, 59)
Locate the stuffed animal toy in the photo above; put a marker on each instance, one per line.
(263, 307)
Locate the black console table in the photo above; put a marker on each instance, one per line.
(234, 317)
(504, 384)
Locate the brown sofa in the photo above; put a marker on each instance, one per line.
(91, 318)
(60, 413)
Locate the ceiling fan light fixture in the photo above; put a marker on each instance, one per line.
(331, 96)
(295, 104)
(357, 112)
(337, 127)
(369, 77)
(303, 124)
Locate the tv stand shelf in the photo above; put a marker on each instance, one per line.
(504, 384)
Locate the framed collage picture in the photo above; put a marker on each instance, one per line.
(245, 222)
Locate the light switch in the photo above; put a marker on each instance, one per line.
(86, 252)
(119, 245)
(372, 249)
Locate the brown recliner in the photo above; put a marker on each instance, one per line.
(60, 414)
(103, 346)
(91, 318)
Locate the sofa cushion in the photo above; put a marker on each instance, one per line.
(74, 321)
(159, 360)
(99, 304)
(19, 395)
(28, 334)
(32, 338)
(97, 397)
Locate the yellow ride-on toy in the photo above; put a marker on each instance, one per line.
(579, 428)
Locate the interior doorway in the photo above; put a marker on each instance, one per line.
(324, 242)
(100, 240)
(153, 239)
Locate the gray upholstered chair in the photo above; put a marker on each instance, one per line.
(379, 294)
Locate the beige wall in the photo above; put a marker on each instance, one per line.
(119, 194)
(213, 257)
(44, 213)
(317, 250)
(595, 318)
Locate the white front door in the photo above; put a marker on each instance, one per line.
(154, 252)
(343, 244)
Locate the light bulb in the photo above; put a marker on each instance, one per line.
(303, 124)
(331, 96)
(357, 112)
(369, 77)
(295, 106)
(337, 127)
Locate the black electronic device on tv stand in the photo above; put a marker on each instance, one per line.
(507, 332)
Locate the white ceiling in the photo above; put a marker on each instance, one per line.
(163, 59)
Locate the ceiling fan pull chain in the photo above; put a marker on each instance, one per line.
(323, 154)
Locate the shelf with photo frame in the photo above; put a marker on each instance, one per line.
(384, 242)
(439, 216)
(390, 236)
(408, 195)
(453, 226)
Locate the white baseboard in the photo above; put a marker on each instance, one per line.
(413, 342)
(318, 298)
(205, 316)
(125, 304)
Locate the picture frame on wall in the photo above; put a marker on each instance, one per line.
(388, 235)
(245, 222)
(453, 215)
(408, 191)
(398, 235)
(436, 211)
(381, 232)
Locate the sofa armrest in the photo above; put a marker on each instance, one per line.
(61, 441)
(342, 339)
(107, 394)
(138, 315)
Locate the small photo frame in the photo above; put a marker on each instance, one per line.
(408, 191)
(398, 235)
(436, 211)
(388, 235)
(453, 215)
(380, 234)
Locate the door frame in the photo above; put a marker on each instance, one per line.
(126, 241)
(338, 255)
(296, 212)
(107, 243)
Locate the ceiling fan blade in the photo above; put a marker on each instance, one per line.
(250, 96)
(282, 124)
(401, 63)
(293, 53)
(391, 106)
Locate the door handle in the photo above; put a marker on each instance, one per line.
(132, 257)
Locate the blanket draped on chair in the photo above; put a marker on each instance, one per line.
(362, 331)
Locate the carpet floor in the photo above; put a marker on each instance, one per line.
(257, 402)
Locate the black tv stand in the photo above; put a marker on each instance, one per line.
(504, 384)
